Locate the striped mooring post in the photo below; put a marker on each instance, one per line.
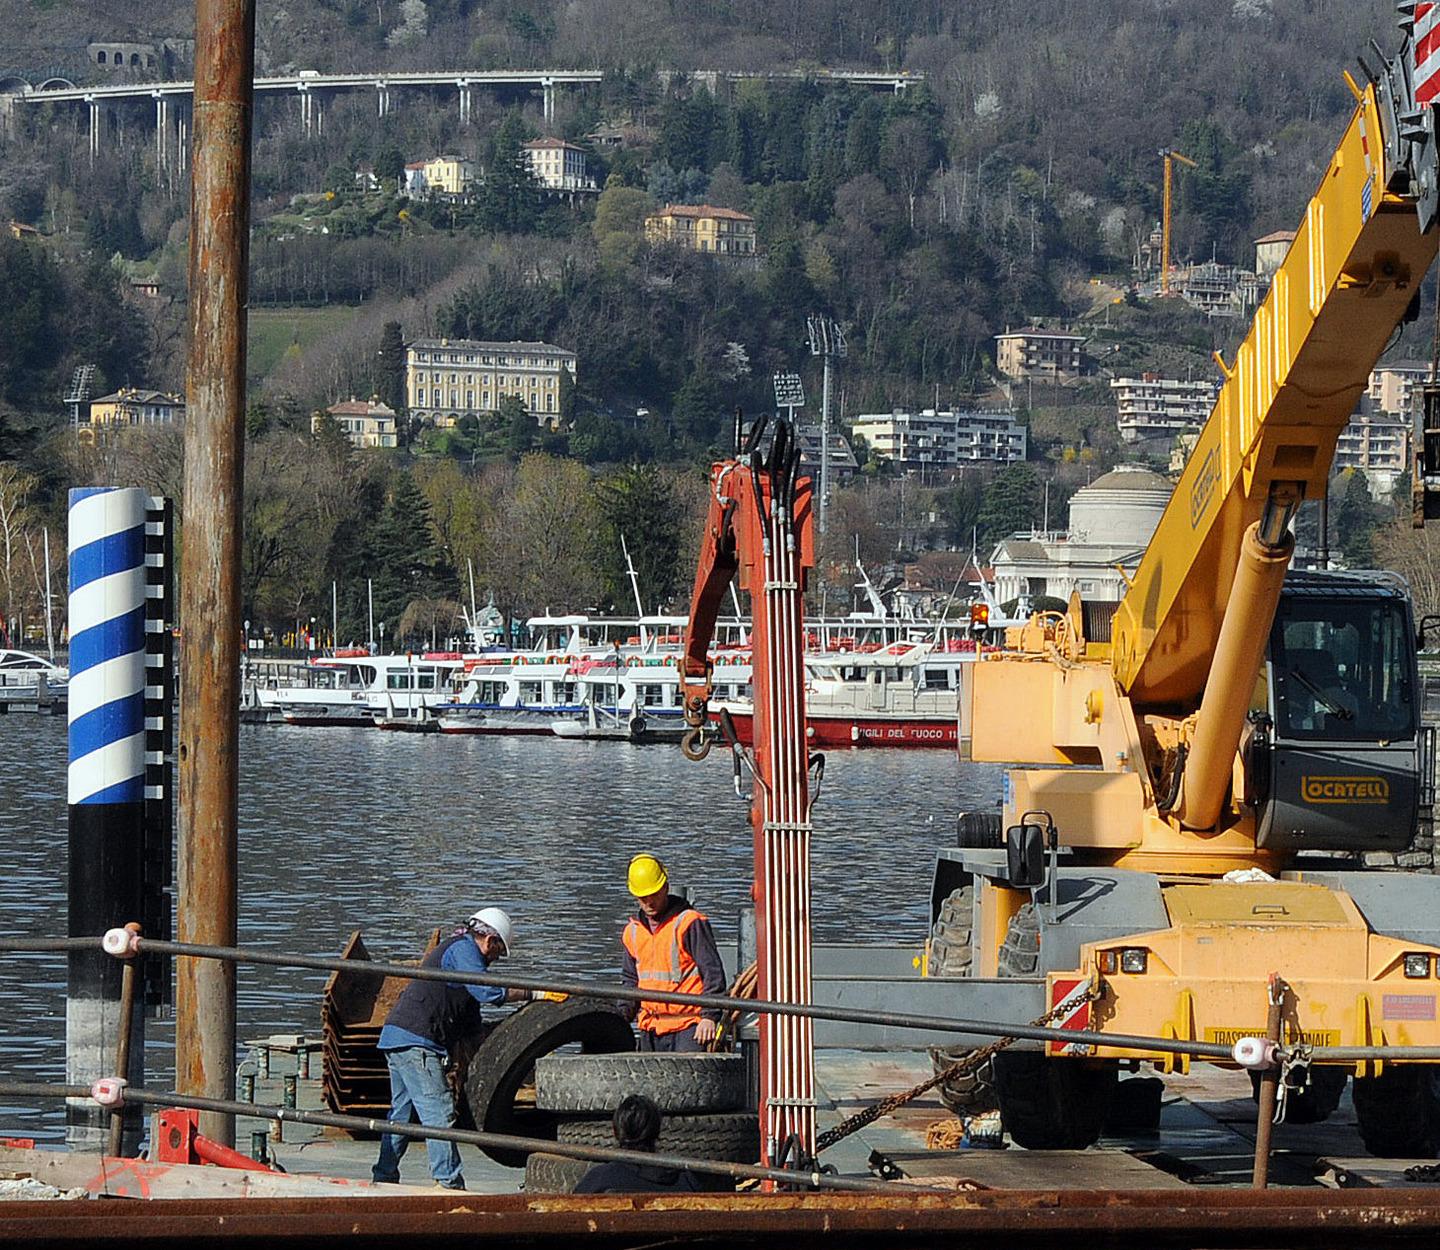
(110, 737)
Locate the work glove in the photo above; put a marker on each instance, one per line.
(550, 996)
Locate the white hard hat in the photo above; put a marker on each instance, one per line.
(499, 921)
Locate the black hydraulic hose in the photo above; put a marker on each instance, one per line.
(471, 1137)
(625, 993)
(752, 440)
(1177, 775)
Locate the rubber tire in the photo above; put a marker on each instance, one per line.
(554, 1174)
(1045, 1103)
(979, 831)
(952, 955)
(1399, 1111)
(1318, 1101)
(731, 1137)
(507, 1057)
(677, 1084)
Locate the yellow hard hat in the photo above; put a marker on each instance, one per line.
(647, 874)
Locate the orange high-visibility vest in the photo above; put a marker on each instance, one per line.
(662, 963)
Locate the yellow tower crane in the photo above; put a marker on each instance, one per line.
(1171, 156)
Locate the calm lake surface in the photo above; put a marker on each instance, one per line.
(392, 834)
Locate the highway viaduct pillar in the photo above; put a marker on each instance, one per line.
(312, 111)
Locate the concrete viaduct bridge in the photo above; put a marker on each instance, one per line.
(314, 89)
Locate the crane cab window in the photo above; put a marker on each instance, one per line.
(1342, 670)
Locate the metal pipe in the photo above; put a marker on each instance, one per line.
(210, 607)
(621, 993)
(1269, 1088)
(122, 1047)
(504, 1141)
(1239, 651)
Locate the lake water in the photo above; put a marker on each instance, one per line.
(392, 834)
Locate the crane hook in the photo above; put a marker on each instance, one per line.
(696, 744)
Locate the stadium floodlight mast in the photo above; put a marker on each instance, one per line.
(827, 340)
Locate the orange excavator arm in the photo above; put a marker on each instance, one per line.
(759, 528)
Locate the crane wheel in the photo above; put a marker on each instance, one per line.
(951, 955)
(1045, 1103)
(1399, 1111)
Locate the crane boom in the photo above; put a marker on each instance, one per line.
(1353, 270)
(1171, 156)
(759, 529)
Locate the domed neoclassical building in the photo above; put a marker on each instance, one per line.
(1111, 521)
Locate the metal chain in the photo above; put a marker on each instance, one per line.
(969, 1063)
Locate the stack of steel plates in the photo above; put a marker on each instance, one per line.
(356, 1080)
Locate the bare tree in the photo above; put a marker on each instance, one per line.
(1415, 555)
(15, 488)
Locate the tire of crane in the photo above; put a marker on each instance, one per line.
(1045, 1103)
(1315, 1103)
(555, 1174)
(730, 1136)
(980, 830)
(678, 1084)
(952, 955)
(506, 1060)
(1399, 1111)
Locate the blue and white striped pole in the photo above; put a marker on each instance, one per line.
(106, 777)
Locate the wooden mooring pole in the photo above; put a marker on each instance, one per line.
(210, 608)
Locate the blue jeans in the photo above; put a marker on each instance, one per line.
(418, 1090)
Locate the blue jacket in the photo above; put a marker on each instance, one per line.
(436, 1014)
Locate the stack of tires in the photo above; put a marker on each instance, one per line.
(702, 1098)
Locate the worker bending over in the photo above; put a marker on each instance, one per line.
(425, 1024)
(669, 946)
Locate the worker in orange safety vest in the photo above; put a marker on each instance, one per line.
(669, 946)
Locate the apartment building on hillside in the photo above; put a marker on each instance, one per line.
(1052, 354)
(920, 441)
(446, 379)
(1153, 407)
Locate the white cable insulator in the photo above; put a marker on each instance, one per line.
(109, 1091)
(1255, 1053)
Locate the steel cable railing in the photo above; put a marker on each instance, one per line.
(624, 993)
(814, 1179)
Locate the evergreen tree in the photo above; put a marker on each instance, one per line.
(403, 558)
(1011, 502)
(641, 506)
(389, 378)
(516, 425)
(699, 409)
(389, 164)
(510, 198)
(1354, 522)
(568, 403)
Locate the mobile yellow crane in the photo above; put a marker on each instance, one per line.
(1197, 769)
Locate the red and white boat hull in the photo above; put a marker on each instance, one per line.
(858, 730)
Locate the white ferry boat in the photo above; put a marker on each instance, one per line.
(902, 695)
(638, 698)
(353, 689)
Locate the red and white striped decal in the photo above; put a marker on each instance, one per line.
(1427, 52)
(1072, 996)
